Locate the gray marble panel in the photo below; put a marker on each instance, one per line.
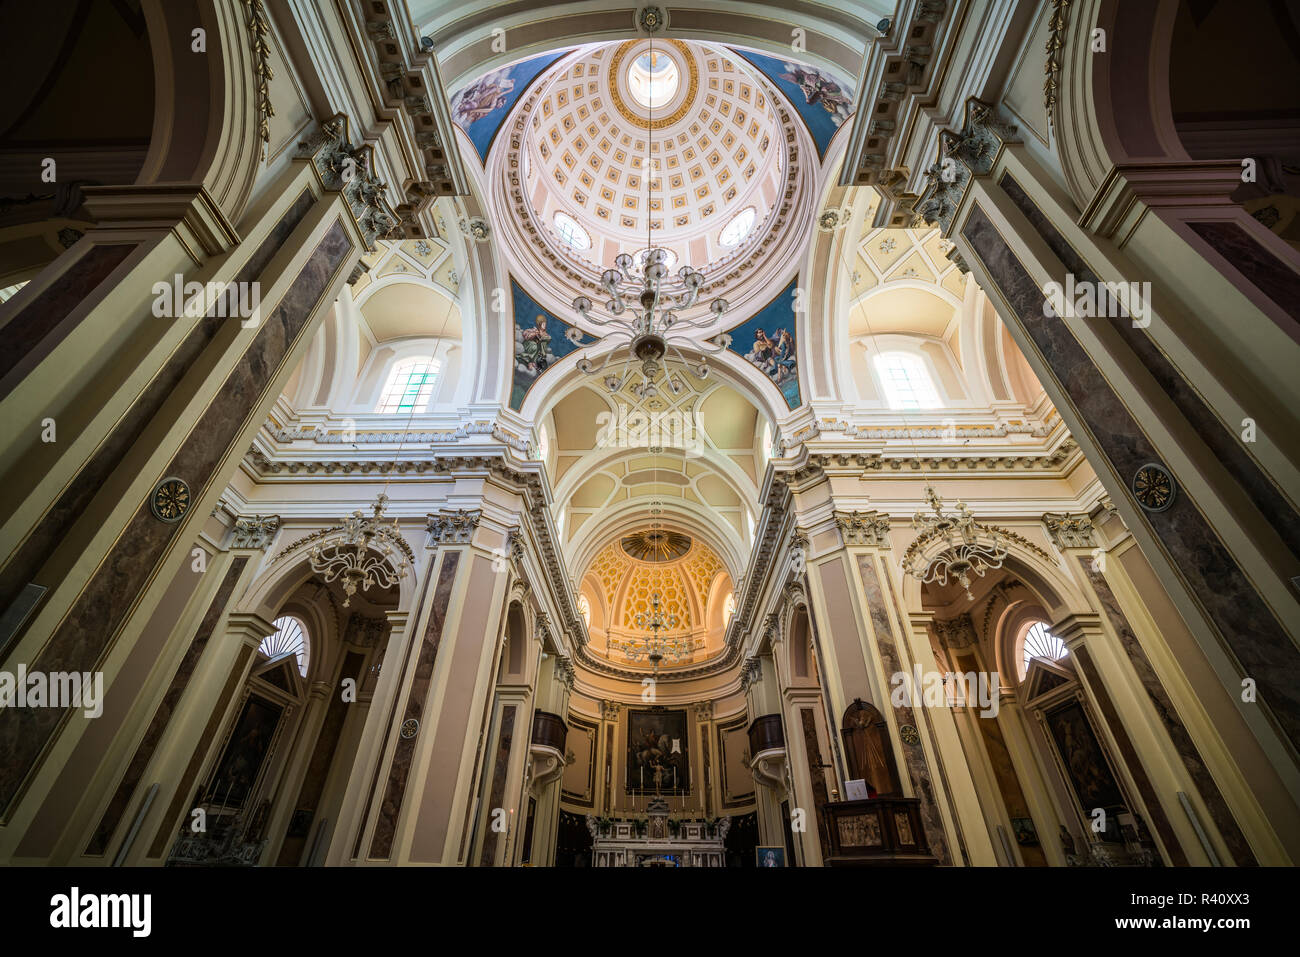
(1250, 630)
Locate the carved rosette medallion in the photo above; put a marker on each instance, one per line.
(170, 500)
(1153, 487)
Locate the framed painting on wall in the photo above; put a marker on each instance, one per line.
(769, 856)
(658, 752)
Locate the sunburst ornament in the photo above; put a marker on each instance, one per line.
(656, 545)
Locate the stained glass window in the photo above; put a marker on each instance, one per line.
(410, 385)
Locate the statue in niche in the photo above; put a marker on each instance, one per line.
(867, 748)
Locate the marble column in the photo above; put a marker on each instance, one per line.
(112, 517)
(1169, 406)
(219, 681)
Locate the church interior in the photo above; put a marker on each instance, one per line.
(588, 434)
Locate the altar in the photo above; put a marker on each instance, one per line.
(654, 841)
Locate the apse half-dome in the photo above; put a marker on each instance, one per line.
(650, 571)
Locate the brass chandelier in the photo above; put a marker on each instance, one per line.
(952, 545)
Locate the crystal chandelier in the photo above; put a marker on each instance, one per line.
(952, 545)
(370, 553)
(643, 303)
(657, 648)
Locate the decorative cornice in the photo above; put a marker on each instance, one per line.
(410, 86)
(1037, 430)
(963, 155)
(1047, 462)
(343, 168)
(902, 71)
(448, 527)
(1070, 531)
(254, 531)
(825, 460)
(863, 528)
(956, 632)
(321, 436)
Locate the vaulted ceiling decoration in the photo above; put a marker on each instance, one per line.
(540, 341)
(824, 101)
(723, 158)
(694, 450)
(712, 153)
(767, 341)
(888, 255)
(480, 107)
(623, 590)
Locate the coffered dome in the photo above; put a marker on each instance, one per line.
(634, 576)
(708, 127)
(720, 149)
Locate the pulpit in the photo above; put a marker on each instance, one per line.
(876, 832)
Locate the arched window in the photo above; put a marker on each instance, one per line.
(728, 608)
(290, 638)
(410, 385)
(584, 608)
(571, 233)
(734, 233)
(1041, 643)
(907, 385)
